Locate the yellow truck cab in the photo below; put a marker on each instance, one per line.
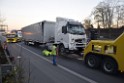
(109, 55)
(11, 37)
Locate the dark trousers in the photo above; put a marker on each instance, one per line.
(54, 59)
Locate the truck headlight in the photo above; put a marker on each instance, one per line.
(72, 41)
(84, 40)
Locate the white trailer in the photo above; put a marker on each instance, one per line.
(38, 33)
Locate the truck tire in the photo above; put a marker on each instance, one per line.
(36, 44)
(25, 42)
(61, 50)
(92, 61)
(28, 43)
(109, 66)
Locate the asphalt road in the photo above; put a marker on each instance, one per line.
(39, 69)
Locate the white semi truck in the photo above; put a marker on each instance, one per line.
(68, 34)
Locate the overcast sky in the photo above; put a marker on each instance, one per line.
(20, 13)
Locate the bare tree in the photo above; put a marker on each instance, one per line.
(109, 16)
(119, 15)
(103, 15)
(122, 15)
(109, 12)
(87, 23)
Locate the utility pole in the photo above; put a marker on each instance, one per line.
(3, 26)
(98, 27)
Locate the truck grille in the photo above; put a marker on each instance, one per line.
(80, 45)
(10, 40)
(78, 40)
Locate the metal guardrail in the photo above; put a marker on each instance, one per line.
(7, 57)
(0, 75)
(6, 68)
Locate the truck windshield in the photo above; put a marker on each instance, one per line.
(76, 29)
(10, 35)
(19, 34)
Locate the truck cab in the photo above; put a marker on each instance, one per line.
(69, 35)
(19, 35)
(11, 37)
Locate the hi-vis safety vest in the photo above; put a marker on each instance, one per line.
(53, 50)
(46, 53)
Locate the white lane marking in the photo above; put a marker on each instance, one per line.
(62, 67)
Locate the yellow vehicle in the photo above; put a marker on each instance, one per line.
(12, 37)
(109, 55)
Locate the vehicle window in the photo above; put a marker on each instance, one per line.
(10, 35)
(110, 49)
(76, 29)
(97, 48)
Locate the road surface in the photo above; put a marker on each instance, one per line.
(39, 69)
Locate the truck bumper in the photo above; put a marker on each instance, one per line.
(11, 40)
(77, 46)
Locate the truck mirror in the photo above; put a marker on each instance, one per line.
(64, 29)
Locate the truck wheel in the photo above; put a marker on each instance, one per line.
(61, 50)
(25, 42)
(92, 61)
(28, 43)
(109, 66)
(36, 44)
